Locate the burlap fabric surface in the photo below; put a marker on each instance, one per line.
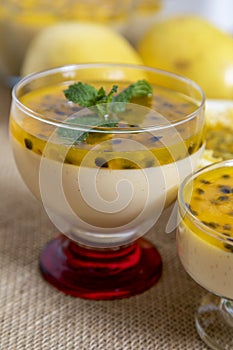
(33, 315)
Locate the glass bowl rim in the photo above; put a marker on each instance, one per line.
(65, 69)
(183, 207)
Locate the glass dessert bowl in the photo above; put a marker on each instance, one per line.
(104, 147)
(205, 247)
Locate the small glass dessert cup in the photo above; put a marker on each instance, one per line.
(105, 178)
(205, 247)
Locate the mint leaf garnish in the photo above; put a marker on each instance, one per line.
(139, 89)
(86, 95)
(102, 103)
(83, 94)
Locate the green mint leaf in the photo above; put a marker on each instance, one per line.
(107, 98)
(86, 96)
(139, 89)
(101, 93)
(142, 89)
(83, 94)
(102, 104)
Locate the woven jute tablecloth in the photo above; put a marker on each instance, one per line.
(33, 315)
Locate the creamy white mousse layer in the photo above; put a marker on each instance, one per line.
(209, 265)
(96, 205)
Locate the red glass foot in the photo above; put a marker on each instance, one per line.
(100, 274)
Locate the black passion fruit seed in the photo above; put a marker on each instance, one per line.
(226, 176)
(101, 162)
(227, 227)
(225, 189)
(28, 143)
(200, 191)
(205, 182)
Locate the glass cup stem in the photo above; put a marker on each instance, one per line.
(214, 322)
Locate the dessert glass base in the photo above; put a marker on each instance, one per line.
(214, 322)
(100, 274)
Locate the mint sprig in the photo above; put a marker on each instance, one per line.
(102, 104)
(87, 95)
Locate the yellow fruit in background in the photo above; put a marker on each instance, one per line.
(190, 46)
(77, 42)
